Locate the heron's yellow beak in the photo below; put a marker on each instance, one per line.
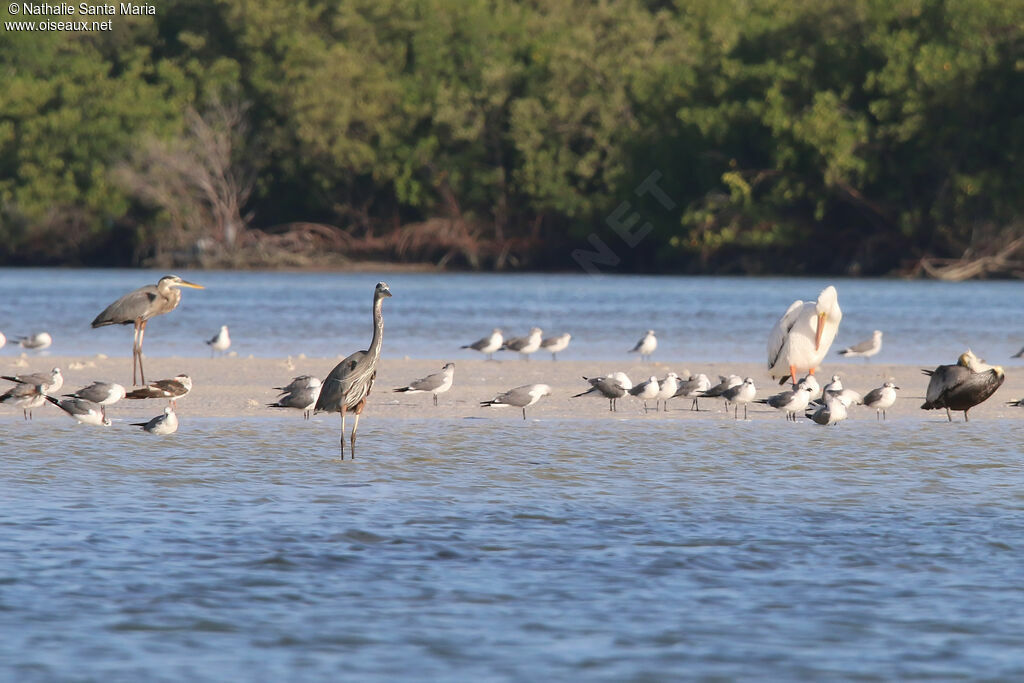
(817, 333)
(185, 283)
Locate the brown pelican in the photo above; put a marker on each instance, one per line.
(137, 307)
(803, 335)
(962, 386)
(438, 383)
(349, 383)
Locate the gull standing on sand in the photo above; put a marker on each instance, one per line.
(646, 346)
(48, 382)
(610, 386)
(791, 402)
(741, 394)
(800, 339)
(811, 382)
(881, 398)
(832, 412)
(438, 383)
(668, 388)
(24, 396)
(166, 423)
(835, 386)
(694, 388)
(864, 349)
(172, 389)
(556, 344)
(86, 412)
(219, 342)
(525, 345)
(489, 344)
(138, 306)
(102, 394)
(962, 386)
(36, 342)
(520, 397)
(725, 383)
(301, 394)
(646, 390)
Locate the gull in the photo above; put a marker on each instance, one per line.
(792, 401)
(646, 390)
(1019, 354)
(172, 389)
(301, 394)
(803, 335)
(166, 423)
(668, 388)
(220, 341)
(610, 386)
(835, 386)
(1019, 403)
(694, 388)
(832, 412)
(3, 340)
(742, 393)
(811, 382)
(438, 383)
(101, 393)
(36, 342)
(881, 398)
(962, 386)
(520, 397)
(84, 411)
(24, 396)
(48, 383)
(725, 383)
(556, 344)
(865, 349)
(646, 346)
(488, 344)
(525, 345)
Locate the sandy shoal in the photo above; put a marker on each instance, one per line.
(242, 386)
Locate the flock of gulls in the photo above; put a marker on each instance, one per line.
(797, 345)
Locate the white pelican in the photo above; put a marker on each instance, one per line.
(803, 335)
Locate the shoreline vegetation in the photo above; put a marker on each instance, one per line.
(701, 137)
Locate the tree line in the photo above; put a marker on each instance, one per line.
(724, 136)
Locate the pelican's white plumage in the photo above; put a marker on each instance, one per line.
(803, 335)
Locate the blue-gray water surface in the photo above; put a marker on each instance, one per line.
(698, 319)
(510, 550)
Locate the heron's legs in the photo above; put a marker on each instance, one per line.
(343, 432)
(355, 426)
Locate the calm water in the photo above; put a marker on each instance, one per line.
(431, 315)
(499, 550)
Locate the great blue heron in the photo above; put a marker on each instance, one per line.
(301, 394)
(101, 393)
(136, 308)
(803, 335)
(864, 349)
(165, 423)
(220, 341)
(346, 388)
(962, 386)
(438, 383)
(172, 389)
(488, 344)
(646, 346)
(881, 399)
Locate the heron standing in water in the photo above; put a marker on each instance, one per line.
(136, 308)
(348, 385)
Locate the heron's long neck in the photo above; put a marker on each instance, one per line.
(378, 328)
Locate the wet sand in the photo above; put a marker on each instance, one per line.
(242, 386)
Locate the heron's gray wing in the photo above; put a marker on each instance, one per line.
(334, 388)
(777, 338)
(128, 308)
(428, 383)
